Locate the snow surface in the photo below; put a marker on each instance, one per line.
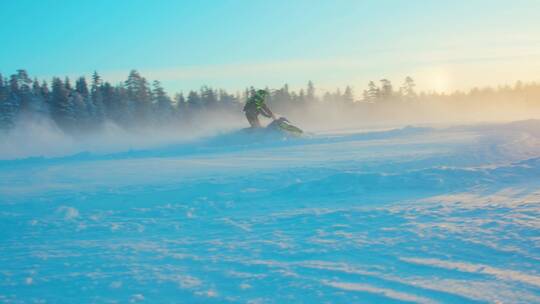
(421, 215)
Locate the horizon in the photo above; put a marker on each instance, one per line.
(186, 46)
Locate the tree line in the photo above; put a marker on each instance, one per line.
(86, 105)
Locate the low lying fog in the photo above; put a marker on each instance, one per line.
(40, 137)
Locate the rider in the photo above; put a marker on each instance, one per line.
(255, 105)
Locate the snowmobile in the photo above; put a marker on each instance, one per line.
(280, 126)
(283, 125)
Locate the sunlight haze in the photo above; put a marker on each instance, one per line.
(445, 46)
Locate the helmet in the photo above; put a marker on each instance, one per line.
(262, 92)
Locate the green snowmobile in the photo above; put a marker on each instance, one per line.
(283, 125)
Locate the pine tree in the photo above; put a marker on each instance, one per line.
(193, 100)
(387, 90)
(3, 89)
(24, 90)
(81, 87)
(208, 97)
(46, 95)
(162, 102)
(67, 85)
(294, 97)
(96, 96)
(84, 105)
(301, 96)
(105, 93)
(125, 113)
(115, 103)
(373, 92)
(96, 83)
(365, 95)
(348, 96)
(14, 91)
(62, 109)
(139, 96)
(7, 108)
(82, 110)
(36, 88)
(45, 92)
(407, 90)
(226, 99)
(38, 104)
(180, 100)
(12, 104)
(310, 94)
(286, 94)
(282, 96)
(181, 105)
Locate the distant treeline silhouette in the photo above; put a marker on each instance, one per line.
(135, 103)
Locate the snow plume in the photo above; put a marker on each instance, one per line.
(38, 136)
(41, 137)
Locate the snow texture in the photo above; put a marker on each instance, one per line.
(416, 215)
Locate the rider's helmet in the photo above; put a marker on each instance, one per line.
(262, 93)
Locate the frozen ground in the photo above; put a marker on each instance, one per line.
(418, 215)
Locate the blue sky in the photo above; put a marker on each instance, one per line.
(445, 45)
